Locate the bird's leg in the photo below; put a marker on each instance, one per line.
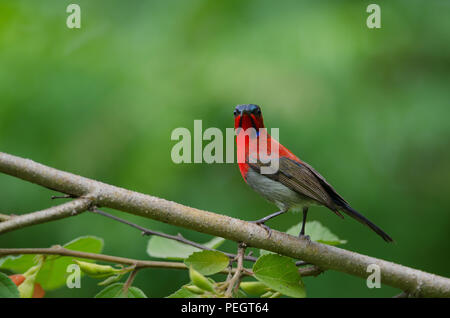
(267, 218)
(302, 231)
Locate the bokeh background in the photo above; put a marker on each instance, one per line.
(368, 108)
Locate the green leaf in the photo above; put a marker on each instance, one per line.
(53, 273)
(265, 252)
(254, 288)
(194, 289)
(18, 264)
(240, 294)
(317, 232)
(208, 262)
(201, 281)
(215, 242)
(99, 271)
(110, 280)
(7, 288)
(26, 289)
(161, 247)
(279, 273)
(183, 293)
(116, 291)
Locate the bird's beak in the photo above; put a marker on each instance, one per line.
(241, 117)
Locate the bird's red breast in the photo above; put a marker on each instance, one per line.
(250, 145)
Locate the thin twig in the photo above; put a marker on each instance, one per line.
(130, 280)
(233, 283)
(58, 250)
(180, 238)
(230, 270)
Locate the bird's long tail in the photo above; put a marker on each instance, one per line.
(362, 219)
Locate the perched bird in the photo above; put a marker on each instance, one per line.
(295, 185)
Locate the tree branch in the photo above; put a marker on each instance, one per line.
(413, 282)
(4, 217)
(54, 213)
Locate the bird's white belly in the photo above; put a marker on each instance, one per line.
(276, 192)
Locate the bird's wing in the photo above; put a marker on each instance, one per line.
(330, 190)
(303, 179)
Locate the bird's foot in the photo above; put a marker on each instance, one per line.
(306, 237)
(265, 227)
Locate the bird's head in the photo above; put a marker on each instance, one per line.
(248, 115)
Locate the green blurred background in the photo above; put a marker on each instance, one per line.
(368, 108)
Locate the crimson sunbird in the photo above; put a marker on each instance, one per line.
(295, 185)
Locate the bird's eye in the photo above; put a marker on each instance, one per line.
(258, 112)
(236, 112)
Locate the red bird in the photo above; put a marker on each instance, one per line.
(295, 185)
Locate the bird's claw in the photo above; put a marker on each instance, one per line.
(306, 237)
(265, 227)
